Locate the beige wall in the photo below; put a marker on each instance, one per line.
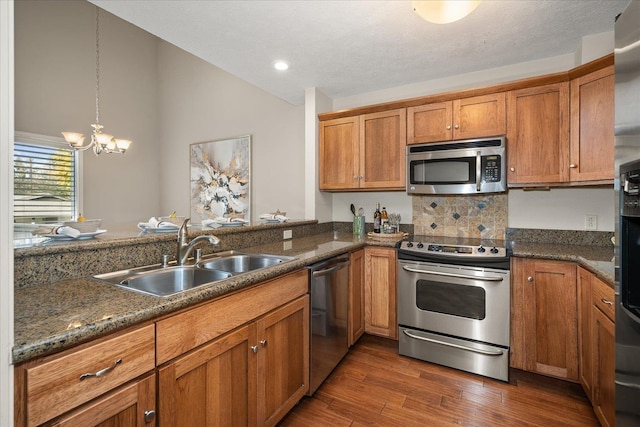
(157, 95)
(55, 91)
(199, 102)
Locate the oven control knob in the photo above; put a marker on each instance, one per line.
(481, 250)
(494, 250)
(410, 244)
(420, 245)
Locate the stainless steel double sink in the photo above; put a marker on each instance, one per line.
(164, 281)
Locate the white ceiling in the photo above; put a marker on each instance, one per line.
(345, 48)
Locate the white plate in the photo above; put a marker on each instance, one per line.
(271, 221)
(81, 236)
(144, 226)
(230, 224)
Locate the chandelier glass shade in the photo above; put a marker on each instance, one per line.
(100, 142)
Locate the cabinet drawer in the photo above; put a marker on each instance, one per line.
(603, 297)
(60, 384)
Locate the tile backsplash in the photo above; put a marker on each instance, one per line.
(475, 216)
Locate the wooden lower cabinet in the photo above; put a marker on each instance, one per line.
(604, 401)
(96, 379)
(129, 406)
(252, 376)
(380, 291)
(544, 317)
(355, 324)
(597, 343)
(585, 334)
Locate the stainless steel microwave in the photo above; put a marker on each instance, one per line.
(472, 166)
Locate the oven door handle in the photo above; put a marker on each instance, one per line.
(459, 276)
(459, 347)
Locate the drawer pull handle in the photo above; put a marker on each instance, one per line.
(149, 416)
(604, 301)
(102, 371)
(254, 348)
(264, 343)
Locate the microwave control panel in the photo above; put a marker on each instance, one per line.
(630, 182)
(491, 166)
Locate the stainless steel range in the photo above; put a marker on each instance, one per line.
(454, 303)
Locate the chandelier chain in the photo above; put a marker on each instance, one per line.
(97, 65)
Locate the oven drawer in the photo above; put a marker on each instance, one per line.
(481, 359)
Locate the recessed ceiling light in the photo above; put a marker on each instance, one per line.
(281, 65)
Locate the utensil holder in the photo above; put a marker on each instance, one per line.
(358, 225)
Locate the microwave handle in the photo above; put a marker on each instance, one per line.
(478, 170)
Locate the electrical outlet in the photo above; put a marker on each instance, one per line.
(591, 222)
(287, 234)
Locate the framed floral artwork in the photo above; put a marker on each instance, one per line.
(221, 179)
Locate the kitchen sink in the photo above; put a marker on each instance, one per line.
(164, 281)
(237, 263)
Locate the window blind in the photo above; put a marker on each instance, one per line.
(44, 183)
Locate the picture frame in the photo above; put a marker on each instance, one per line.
(220, 181)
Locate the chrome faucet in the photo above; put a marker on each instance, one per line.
(185, 248)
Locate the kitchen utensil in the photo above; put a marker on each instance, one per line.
(353, 209)
(360, 212)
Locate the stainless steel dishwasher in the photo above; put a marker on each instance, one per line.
(329, 289)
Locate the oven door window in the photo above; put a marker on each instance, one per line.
(443, 171)
(455, 300)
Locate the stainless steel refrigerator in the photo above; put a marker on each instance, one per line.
(627, 129)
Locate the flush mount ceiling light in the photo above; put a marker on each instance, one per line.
(281, 65)
(101, 142)
(444, 11)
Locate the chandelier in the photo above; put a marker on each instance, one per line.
(100, 142)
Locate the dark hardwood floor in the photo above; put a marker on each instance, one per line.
(374, 386)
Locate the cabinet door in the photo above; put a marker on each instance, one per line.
(215, 385)
(538, 134)
(585, 342)
(479, 116)
(380, 292)
(356, 296)
(125, 407)
(283, 360)
(549, 317)
(592, 126)
(604, 402)
(429, 123)
(383, 138)
(339, 154)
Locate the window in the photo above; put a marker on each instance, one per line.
(45, 180)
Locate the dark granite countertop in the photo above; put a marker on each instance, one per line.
(597, 259)
(53, 317)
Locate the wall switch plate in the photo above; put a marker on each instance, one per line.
(287, 234)
(591, 222)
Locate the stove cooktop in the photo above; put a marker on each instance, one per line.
(451, 246)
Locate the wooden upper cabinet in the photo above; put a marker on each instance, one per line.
(467, 118)
(592, 126)
(383, 139)
(363, 152)
(339, 148)
(538, 134)
(430, 123)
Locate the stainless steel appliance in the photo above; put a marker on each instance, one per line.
(462, 167)
(329, 288)
(454, 304)
(627, 129)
